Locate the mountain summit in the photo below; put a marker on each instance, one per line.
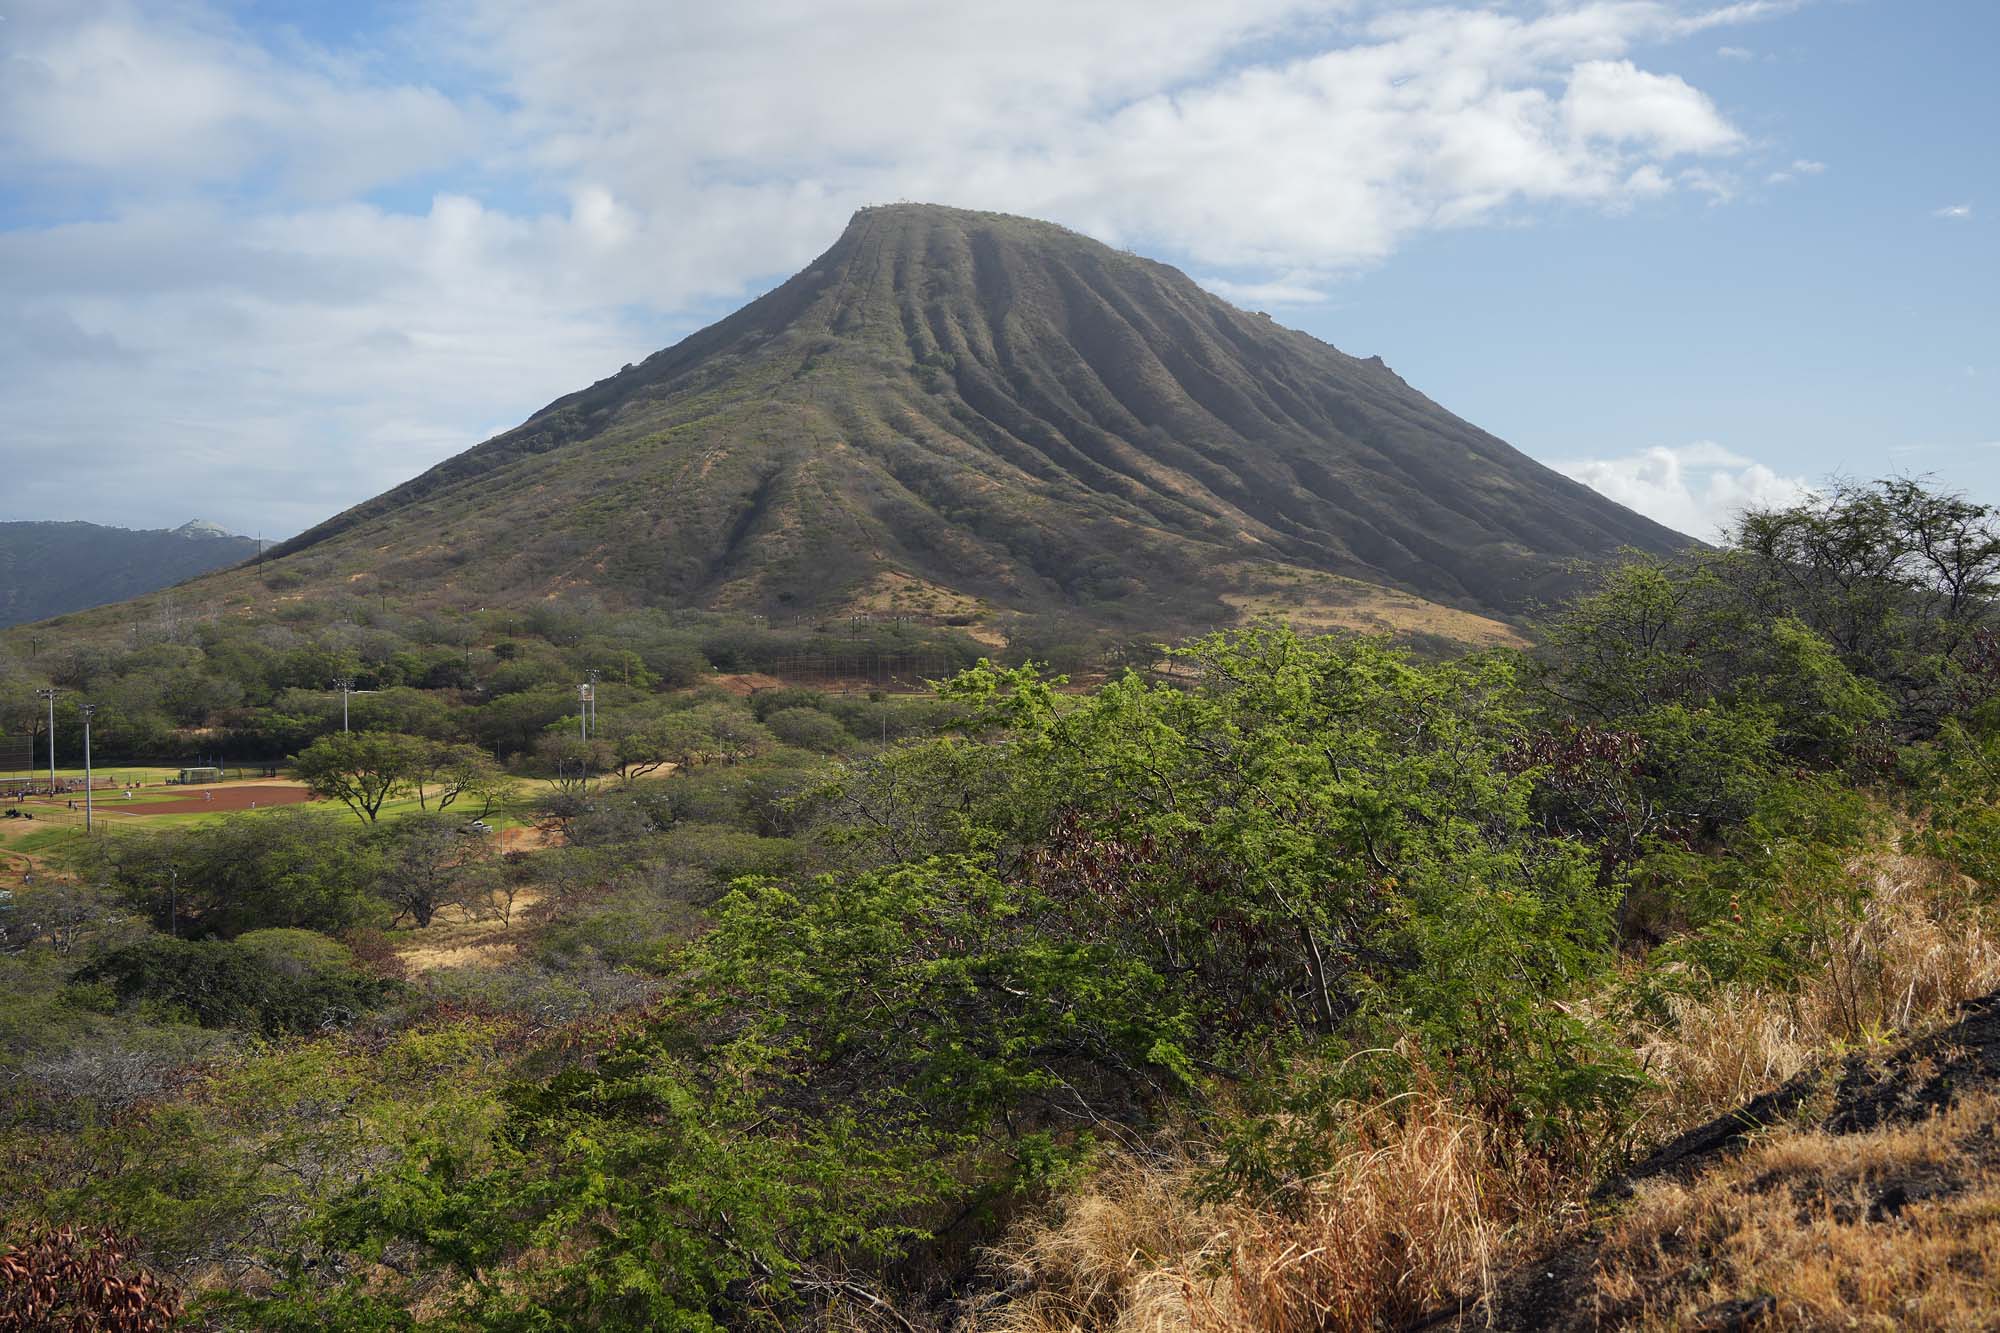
(952, 409)
(50, 569)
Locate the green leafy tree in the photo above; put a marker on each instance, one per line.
(569, 763)
(446, 771)
(430, 863)
(294, 868)
(1859, 610)
(645, 745)
(363, 770)
(809, 729)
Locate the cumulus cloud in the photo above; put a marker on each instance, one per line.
(323, 272)
(1695, 488)
(99, 92)
(1616, 100)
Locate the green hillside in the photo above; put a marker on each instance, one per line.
(47, 569)
(973, 415)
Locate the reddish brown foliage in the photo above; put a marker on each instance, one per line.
(373, 951)
(72, 1280)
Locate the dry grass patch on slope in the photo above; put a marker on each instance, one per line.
(1898, 1227)
(1924, 943)
(1428, 1205)
(1315, 602)
(1423, 1204)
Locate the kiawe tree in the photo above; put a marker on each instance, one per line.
(447, 770)
(687, 737)
(363, 770)
(649, 744)
(429, 865)
(568, 762)
(1901, 579)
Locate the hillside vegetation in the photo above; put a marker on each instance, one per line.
(47, 569)
(954, 414)
(1303, 984)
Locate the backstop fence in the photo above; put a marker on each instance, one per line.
(892, 673)
(17, 756)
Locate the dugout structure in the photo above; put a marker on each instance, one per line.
(191, 777)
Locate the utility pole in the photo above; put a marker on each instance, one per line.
(50, 695)
(345, 684)
(593, 700)
(86, 710)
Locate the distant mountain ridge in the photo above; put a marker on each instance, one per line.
(50, 569)
(976, 415)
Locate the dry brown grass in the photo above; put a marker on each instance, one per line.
(1925, 943)
(1898, 1228)
(1314, 602)
(1114, 1253)
(1427, 1204)
(1421, 1205)
(458, 938)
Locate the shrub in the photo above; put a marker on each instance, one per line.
(291, 868)
(220, 984)
(809, 729)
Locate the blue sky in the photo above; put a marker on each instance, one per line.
(260, 261)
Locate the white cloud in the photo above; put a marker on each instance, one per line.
(1746, 11)
(1697, 488)
(1954, 212)
(1735, 53)
(1616, 100)
(1803, 166)
(177, 97)
(328, 272)
(1293, 289)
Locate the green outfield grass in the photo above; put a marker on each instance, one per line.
(35, 837)
(512, 813)
(53, 824)
(100, 772)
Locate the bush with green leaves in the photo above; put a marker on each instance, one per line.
(809, 729)
(300, 868)
(1861, 612)
(1294, 875)
(1321, 847)
(227, 984)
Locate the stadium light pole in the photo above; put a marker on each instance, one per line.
(88, 810)
(593, 700)
(50, 695)
(345, 684)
